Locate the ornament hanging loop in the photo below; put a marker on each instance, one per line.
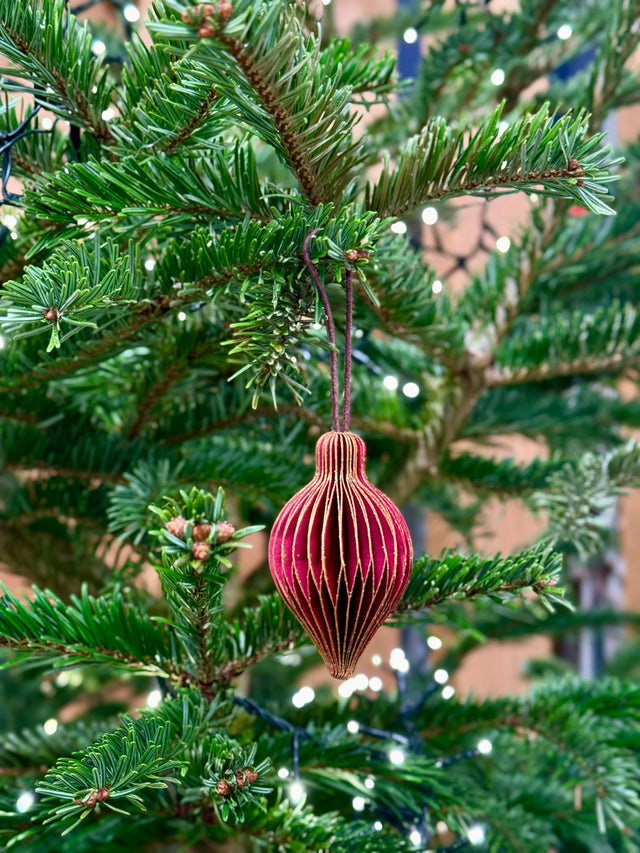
(331, 335)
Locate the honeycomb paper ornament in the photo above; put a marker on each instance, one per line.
(340, 554)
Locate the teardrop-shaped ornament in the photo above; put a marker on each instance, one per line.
(340, 554)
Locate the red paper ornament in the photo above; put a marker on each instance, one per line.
(340, 554)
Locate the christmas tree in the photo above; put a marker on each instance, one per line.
(207, 219)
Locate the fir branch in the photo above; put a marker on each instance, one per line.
(539, 153)
(86, 630)
(454, 576)
(262, 61)
(46, 46)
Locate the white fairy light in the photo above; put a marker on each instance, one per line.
(182, 317)
(370, 783)
(2, 346)
(326, 2)
(154, 699)
(131, 13)
(346, 688)
(376, 660)
(410, 389)
(353, 727)
(399, 227)
(476, 835)
(149, 264)
(398, 660)
(303, 697)
(485, 746)
(296, 792)
(25, 801)
(497, 78)
(434, 642)
(283, 773)
(358, 804)
(50, 727)
(107, 114)
(415, 837)
(375, 684)
(564, 32)
(14, 235)
(378, 826)
(10, 221)
(360, 681)
(410, 35)
(503, 244)
(441, 827)
(436, 287)
(390, 383)
(396, 756)
(98, 47)
(62, 680)
(441, 676)
(502, 127)
(429, 216)
(448, 691)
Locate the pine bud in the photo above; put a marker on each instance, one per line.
(357, 254)
(225, 530)
(187, 16)
(225, 10)
(176, 526)
(575, 166)
(50, 314)
(206, 31)
(245, 776)
(201, 551)
(207, 10)
(201, 532)
(224, 788)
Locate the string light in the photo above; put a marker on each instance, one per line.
(62, 680)
(182, 317)
(107, 114)
(10, 221)
(296, 792)
(436, 287)
(283, 773)
(98, 47)
(410, 35)
(50, 727)
(154, 699)
(370, 783)
(149, 264)
(410, 389)
(303, 696)
(485, 746)
(131, 13)
(25, 801)
(376, 660)
(441, 827)
(502, 127)
(415, 837)
(358, 804)
(434, 642)
(391, 384)
(429, 216)
(353, 727)
(396, 756)
(476, 835)
(375, 684)
(397, 658)
(448, 692)
(399, 227)
(503, 244)
(2, 342)
(347, 688)
(378, 826)
(441, 676)
(497, 78)
(564, 32)
(361, 681)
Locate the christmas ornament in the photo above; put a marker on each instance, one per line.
(340, 551)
